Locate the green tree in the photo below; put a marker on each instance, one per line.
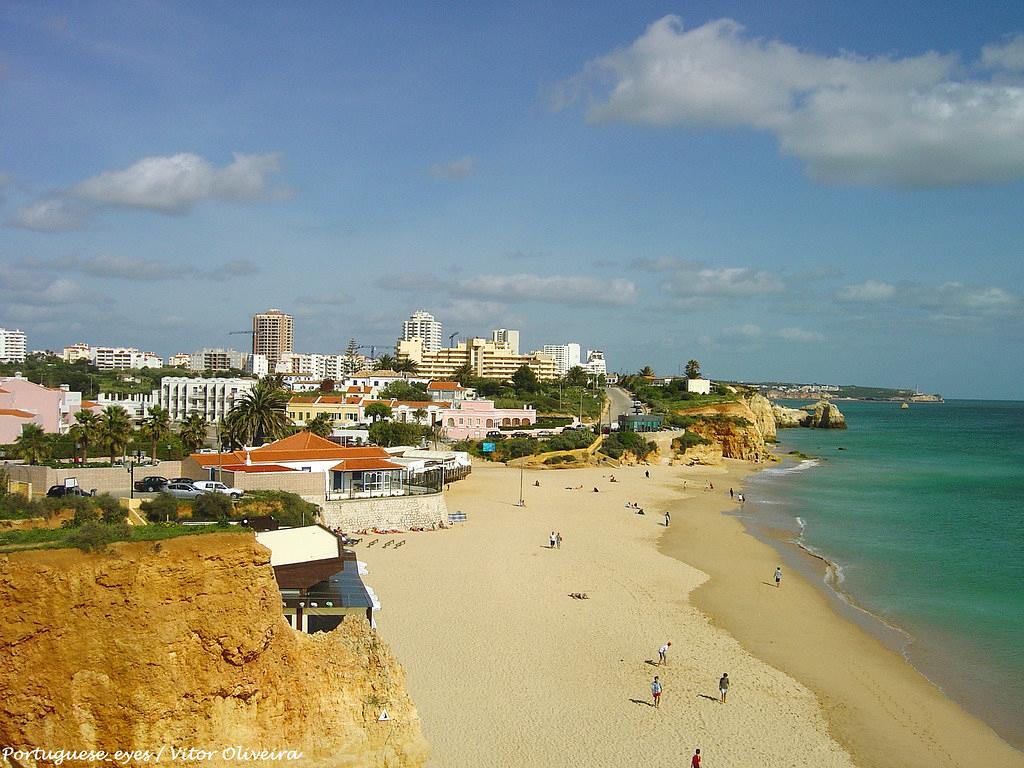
(525, 380)
(646, 372)
(388, 433)
(110, 509)
(320, 425)
(385, 363)
(693, 369)
(32, 444)
(464, 374)
(192, 432)
(377, 411)
(162, 508)
(406, 366)
(116, 430)
(420, 414)
(85, 430)
(576, 377)
(351, 361)
(212, 506)
(261, 413)
(156, 427)
(404, 390)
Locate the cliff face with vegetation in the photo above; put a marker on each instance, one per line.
(735, 430)
(182, 643)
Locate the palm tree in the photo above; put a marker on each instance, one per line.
(193, 432)
(405, 365)
(157, 426)
(646, 372)
(32, 444)
(85, 430)
(463, 374)
(116, 429)
(385, 363)
(420, 414)
(230, 434)
(261, 412)
(320, 425)
(693, 369)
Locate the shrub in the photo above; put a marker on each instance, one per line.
(161, 508)
(212, 506)
(94, 536)
(110, 509)
(85, 512)
(288, 509)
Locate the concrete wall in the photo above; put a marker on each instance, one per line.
(104, 479)
(401, 512)
(308, 484)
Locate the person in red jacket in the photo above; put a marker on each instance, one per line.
(695, 760)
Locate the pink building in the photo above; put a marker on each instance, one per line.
(473, 419)
(22, 402)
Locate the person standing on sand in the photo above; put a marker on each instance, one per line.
(668, 519)
(723, 686)
(558, 540)
(778, 576)
(656, 691)
(695, 760)
(647, 474)
(551, 540)
(663, 653)
(730, 493)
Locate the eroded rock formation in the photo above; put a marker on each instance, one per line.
(182, 643)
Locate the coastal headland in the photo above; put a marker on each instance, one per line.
(507, 668)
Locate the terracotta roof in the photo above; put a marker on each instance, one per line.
(258, 468)
(302, 446)
(206, 460)
(90, 404)
(383, 373)
(4, 391)
(359, 465)
(16, 412)
(416, 403)
(444, 385)
(359, 390)
(303, 399)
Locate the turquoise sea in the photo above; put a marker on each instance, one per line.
(922, 513)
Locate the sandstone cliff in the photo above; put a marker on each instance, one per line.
(821, 415)
(732, 427)
(761, 408)
(183, 644)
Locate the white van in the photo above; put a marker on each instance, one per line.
(212, 486)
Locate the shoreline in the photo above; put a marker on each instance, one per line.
(505, 668)
(944, 733)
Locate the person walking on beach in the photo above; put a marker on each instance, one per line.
(730, 493)
(723, 686)
(668, 519)
(695, 760)
(551, 540)
(558, 540)
(778, 576)
(647, 474)
(663, 653)
(656, 691)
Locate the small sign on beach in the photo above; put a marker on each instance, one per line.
(384, 717)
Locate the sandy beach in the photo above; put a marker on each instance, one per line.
(506, 669)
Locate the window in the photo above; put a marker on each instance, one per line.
(451, 422)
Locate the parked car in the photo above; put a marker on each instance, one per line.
(495, 435)
(185, 480)
(212, 486)
(183, 490)
(59, 491)
(151, 484)
(520, 434)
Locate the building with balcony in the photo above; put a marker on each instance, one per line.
(566, 356)
(213, 398)
(273, 335)
(12, 346)
(486, 358)
(422, 325)
(216, 359)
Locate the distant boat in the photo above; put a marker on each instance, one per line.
(904, 407)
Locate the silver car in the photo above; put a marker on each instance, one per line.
(183, 491)
(212, 486)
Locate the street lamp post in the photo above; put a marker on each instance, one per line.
(522, 501)
(131, 479)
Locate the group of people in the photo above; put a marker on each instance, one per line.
(657, 689)
(555, 540)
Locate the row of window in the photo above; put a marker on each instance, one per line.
(505, 422)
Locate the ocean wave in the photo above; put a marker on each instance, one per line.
(801, 467)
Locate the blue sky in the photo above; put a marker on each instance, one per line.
(802, 191)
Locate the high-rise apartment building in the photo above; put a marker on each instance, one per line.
(486, 358)
(216, 360)
(596, 365)
(12, 346)
(273, 335)
(566, 356)
(422, 325)
(507, 337)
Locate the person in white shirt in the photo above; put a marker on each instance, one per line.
(663, 653)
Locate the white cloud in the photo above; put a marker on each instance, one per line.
(455, 170)
(975, 300)
(49, 214)
(746, 331)
(735, 282)
(111, 267)
(176, 183)
(798, 334)
(556, 289)
(913, 121)
(1009, 55)
(868, 292)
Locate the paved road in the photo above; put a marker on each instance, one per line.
(620, 402)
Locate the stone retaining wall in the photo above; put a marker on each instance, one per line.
(401, 512)
(104, 479)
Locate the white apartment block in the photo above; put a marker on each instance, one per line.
(180, 360)
(123, 358)
(595, 363)
(319, 367)
(257, 365)
(12, 346)
(566, 356)
(212, 398)
(137, 405)
(422, 325)
(76, 352)
(506, 336)
(487, 359)
(216, 360)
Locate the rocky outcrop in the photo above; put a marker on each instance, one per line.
(732, 427)
(182, 644)
(821, 415)
(764, 419)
